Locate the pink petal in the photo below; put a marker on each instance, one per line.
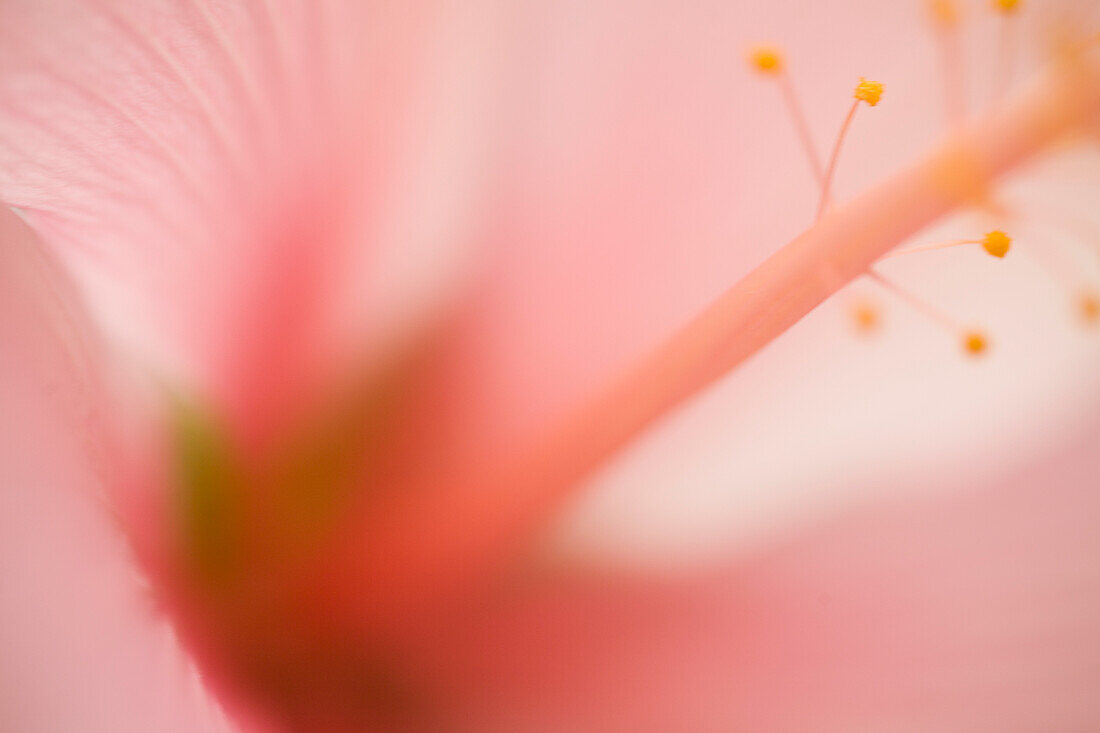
(972, 611)
(214, 170)
(84, 647)
(551, 319)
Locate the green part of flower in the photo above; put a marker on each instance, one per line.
(209, 494)
(277, 507)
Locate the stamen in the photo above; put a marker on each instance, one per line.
(770, 61)
(945, 17)
(866, 91)
(995, 243)
(1008, 10)
(974, 342)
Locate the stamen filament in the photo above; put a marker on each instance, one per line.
(802, 127)
(1050, 259)
(1056, 267)
(1058, 217)
(769, 61)
(995, 243)
(866, 91)
(974, 342)
(1007, 51)
(945, 17)
(827, 180)
(951, 63)
(918, 304)
(930, 247)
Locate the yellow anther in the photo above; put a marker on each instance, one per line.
(868, 91)
(997, 243)
(944, 12)
(1006, 6)
(975, 343)
(766, 59)
(1088, 306)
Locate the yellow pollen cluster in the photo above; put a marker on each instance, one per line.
(1006, 6)
(997, 243)
(767, 60)
(869, 91)
(975, 343)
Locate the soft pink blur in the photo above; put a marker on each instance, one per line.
(844, 534)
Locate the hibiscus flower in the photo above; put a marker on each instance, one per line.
(485, 365)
